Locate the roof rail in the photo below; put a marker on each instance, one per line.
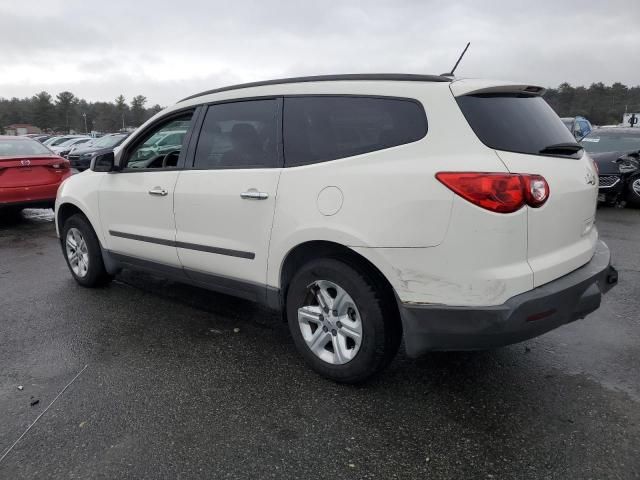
(401, 77)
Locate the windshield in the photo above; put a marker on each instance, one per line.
(600, 142)
(516, 123)
(108, 141)
(19, 148)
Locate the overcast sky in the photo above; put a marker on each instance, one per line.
(168, 50)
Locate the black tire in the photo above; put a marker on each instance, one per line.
(381, 328)
(633, 197)
(96, 274)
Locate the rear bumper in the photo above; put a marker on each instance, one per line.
(33, 195)
(569, 298)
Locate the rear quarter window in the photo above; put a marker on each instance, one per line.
(322, 128)
(514, 122)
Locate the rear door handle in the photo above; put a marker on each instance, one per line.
(159, 191)
(253, 194)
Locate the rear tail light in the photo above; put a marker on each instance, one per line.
(536, 190)
(497, 192)
(63, 164)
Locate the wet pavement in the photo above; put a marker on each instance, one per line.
(170, 390)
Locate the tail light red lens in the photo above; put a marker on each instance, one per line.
(497, 192)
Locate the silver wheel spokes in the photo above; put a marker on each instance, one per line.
(636, 186)
(330, 323)
(77, 252)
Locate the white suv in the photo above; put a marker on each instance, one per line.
(456, 214)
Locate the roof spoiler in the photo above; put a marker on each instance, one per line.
(464, 87)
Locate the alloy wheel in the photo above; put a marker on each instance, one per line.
(330, 323)
(77, 252)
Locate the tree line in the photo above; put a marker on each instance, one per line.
(600, 103)
(66, 112)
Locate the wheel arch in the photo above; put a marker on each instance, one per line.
(65, 211)
(310, 250)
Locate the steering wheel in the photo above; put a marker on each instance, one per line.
(168, 156)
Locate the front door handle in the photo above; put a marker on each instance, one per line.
(254, 194)
(159, 191)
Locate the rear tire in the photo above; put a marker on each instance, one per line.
(633, 191)
(355, 334)
(81, 249)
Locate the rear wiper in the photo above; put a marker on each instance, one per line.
(562, 148)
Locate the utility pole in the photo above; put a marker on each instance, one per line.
(86, 130)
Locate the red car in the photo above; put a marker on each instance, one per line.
(30, 174)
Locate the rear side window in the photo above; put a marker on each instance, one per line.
(515, 123)
(322, 128)
(239, 135)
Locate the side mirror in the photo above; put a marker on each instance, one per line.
(103, 162)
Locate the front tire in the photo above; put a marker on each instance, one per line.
(633, 191)
(82, 252)
(342, 322)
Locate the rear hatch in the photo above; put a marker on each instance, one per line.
(31, 171)
(529, 138)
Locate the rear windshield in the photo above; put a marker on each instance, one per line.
(515, 122)
(26, 147)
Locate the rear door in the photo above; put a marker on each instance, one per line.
(224, 205)
(529, 137)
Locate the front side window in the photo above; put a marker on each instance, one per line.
(584, 128)
(161, 147)
(323, 128)
(239, 135)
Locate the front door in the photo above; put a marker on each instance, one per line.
(136, 203)
(224, 205)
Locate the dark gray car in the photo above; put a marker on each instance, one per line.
(80, 159)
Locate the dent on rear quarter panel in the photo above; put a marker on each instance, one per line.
(481, 262)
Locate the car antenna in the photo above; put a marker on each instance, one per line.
(450, 74)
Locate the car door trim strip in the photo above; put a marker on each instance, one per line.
(188, 246)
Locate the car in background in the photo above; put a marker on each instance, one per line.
(616, 151)
(579, 126)
(80, 158)
(41, 137)
(64, 148)
(30, 174)
(60, 139)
